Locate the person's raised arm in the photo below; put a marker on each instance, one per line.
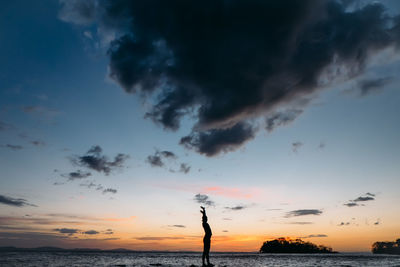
(203, 210)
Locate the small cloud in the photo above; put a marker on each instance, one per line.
(321, 145)
(365, 198)
(177, 226)
(109, 232)
(225, 231)
(93, 159)
(168, 154)
(305, 212)
(350, 204)
(156, 160)
(369, 86)
(76, 175)
(13, 147)
(89, 185)
(38, 143)
(354, 203)
(273, 209)
(313, 236)
(227, 219)
(110, 190)
(16, 202)
(69, 231)
(184, 168)
(344, 224)
(239, 207)
(296, 146)
(204, 199)
(300, 223)
(91, 232)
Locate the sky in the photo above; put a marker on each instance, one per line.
(118, 119)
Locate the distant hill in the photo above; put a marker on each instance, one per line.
(386, 247)
(284, 245)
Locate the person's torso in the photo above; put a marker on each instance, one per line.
(207, 230)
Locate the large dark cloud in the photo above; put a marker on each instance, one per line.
(16, 202)
(93, 159)
(214, 141)
(296, 213)
(228, 62)
(204, 200)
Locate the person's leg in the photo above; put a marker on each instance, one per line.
(203, 257)
(207, 251)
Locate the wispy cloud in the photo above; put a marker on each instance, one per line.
(177, 226)
(76, 175)
(16, 202)
(69, 231)
(305, 212)
(300, 223)
(281, 118)
(236, 208)
(204, 199)
(110, 190)
(91, 232)
(355, 202)
(296, 146)
(38, 143)
(313, 236)
(13, 147)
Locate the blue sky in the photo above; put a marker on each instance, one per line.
(57, 101)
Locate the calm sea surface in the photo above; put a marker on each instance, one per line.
(191, 259)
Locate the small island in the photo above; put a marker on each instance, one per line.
(386, 247)
(285, 245)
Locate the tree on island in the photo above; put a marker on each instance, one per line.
(386, 247)
(286, 245)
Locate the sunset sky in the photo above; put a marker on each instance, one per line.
(118, 119)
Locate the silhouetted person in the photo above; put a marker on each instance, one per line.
(206, 239)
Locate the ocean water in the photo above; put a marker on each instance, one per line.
(191, 259)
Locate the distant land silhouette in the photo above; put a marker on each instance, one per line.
(386, 247)
(284, 245)
(56, 249)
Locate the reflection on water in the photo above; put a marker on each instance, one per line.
(191, 259)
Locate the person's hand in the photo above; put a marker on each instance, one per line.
(202, 209)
